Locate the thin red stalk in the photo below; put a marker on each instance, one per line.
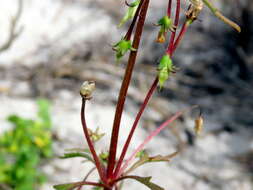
(180, 36)
(149, 138)
(86, 177)
(142, 108)
(169, 8)
(131, 28)
(124, 89)
(90, 144)
(173, 34)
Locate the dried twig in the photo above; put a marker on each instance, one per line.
(13, 32)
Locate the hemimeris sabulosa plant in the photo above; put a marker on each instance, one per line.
(112, 170)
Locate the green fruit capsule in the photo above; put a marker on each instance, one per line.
(122, 47)
(164, 70)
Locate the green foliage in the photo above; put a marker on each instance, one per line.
(23, 148)
(83, 154)
(122, 47)
(130, 12)
(70, 186)
(145, 158)
(145, 181)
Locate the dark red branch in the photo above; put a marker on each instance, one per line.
(131, 28)
(90, 144)
(142, 108)
(180, 36)
(169, 8)
(124, 89)
(173, 34)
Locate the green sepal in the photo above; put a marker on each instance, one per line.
(130, 12)
(122, 47)
(164, 69)
(165, 23)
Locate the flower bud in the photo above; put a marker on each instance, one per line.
(198, 125)
(164, 69)
(122, 47)
(87, 89)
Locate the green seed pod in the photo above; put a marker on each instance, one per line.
(164, 69)
(122, 47)
(165, 22)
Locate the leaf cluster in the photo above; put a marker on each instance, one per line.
(23, 147)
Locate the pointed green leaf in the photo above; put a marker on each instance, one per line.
(71, 186)
(66, 186)
(130, 12)
(145, 181)
(145, 158)
(77, 154)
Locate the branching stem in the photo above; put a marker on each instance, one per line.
(124, 89)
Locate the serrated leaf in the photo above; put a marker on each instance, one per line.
(145, 181)
(145, 158)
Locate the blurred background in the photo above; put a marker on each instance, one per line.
(48, 48)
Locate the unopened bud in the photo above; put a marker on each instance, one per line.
(87, 89)
(198, 125)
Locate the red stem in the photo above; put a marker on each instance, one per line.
(176, 21)
(180, 36)
(90, 144)
(124, 89)
(142, 108)
(131, 28)
(169, 8)
(150, 137)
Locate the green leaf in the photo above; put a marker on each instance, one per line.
(44, 112)
(70, 186)
(130, 12)
(145, 158)
(77, 154)
(67, 186)
(145, 181)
